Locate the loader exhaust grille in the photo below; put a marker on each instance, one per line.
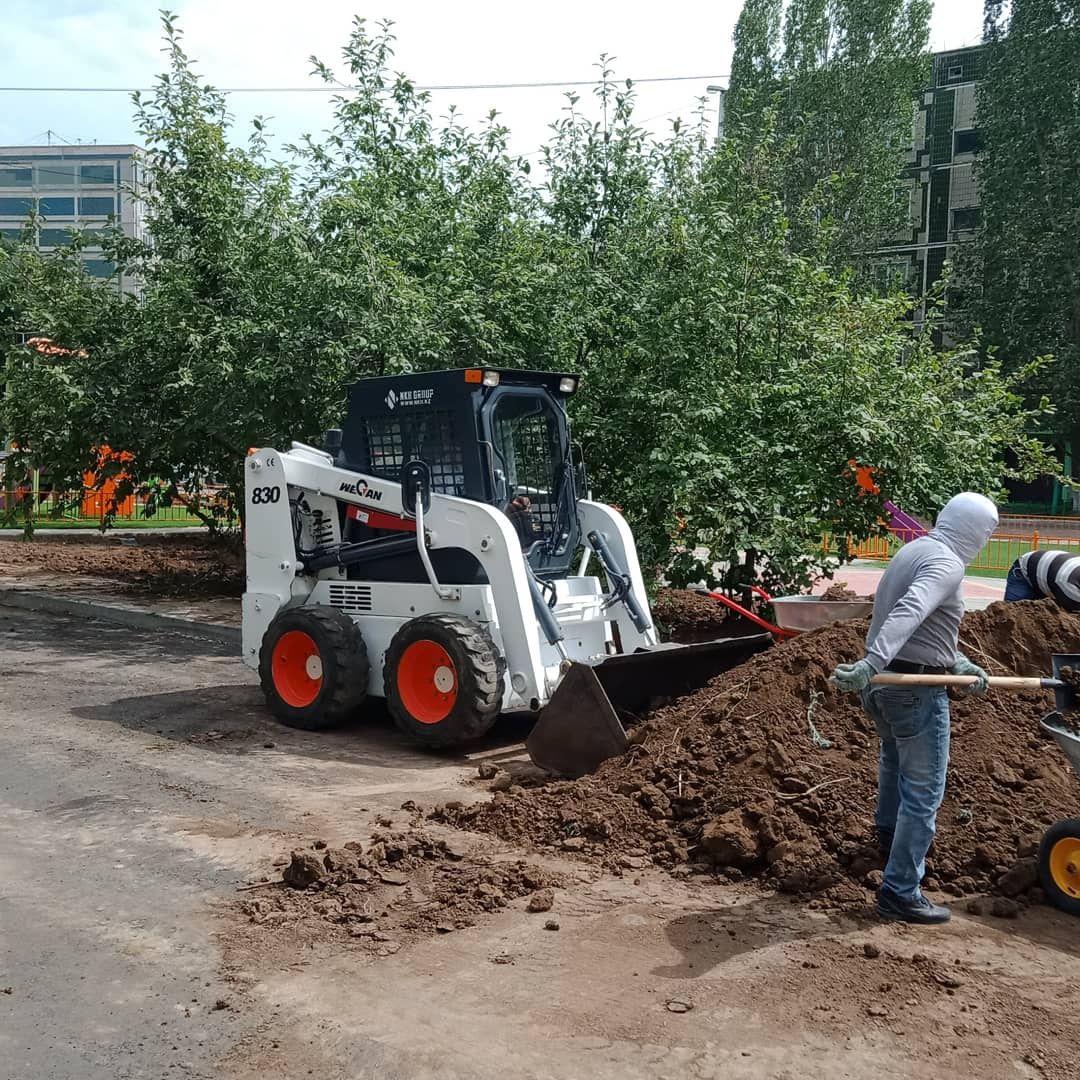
(347, 596)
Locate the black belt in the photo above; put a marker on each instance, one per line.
(905, 667)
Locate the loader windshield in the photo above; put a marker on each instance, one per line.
(532, 477)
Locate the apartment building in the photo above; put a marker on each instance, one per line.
(938, 187)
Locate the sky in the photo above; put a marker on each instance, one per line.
(267, 43)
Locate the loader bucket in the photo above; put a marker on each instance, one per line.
(582, 725)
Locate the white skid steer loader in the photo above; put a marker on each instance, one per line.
(436, 553)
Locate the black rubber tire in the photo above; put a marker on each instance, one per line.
(346, 668)
(1055, 894)
(479, 673)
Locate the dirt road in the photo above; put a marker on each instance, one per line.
(141, 782)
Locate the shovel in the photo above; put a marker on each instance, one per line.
(1064, 689)
(581, 726)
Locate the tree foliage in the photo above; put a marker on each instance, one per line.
(837, 78)
(1024, 283)
(730, 371)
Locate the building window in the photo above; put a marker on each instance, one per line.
(966, 218)
(967, 141)
(97, 205)
(955, 72)
(98, 174)
(16, 207)
(13, 236)
(56, 207)
(10, 177)
(54, 238)
(55, 175)
(100, 268)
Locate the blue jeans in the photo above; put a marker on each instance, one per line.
(913, 724)
(1017, 587)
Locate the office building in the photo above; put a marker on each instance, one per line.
(85, 186)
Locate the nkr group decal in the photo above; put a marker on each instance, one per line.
(406, 398)
(363, 490)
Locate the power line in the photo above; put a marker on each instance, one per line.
(339, 89)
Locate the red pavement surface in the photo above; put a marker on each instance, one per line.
(864, 580)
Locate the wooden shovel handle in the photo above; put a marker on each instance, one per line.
(1000, 682)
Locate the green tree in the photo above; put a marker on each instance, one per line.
(838, 78)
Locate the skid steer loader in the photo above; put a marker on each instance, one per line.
(436, 553)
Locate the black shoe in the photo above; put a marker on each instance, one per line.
(919, 910)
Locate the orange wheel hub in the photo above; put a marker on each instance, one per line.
(1065, 865)
(427, 682)
(297, 669)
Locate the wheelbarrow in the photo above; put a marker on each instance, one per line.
(1059, 851)
(797, 614)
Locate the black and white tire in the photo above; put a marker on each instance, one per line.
(314, 667)
(444, 680)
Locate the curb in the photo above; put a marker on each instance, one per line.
(32, 600)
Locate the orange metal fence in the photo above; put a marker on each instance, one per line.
(998, 555)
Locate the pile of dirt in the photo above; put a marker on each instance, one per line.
(398, 886)
(770, 772)
(839, 590)
(688, 616)
(183, 565)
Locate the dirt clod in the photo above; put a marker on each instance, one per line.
(871, 951)
(551, 924)
(1004, 908)
(487, 770)
(303, 871)
(541, 901)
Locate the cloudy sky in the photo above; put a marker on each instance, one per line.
(266, 43)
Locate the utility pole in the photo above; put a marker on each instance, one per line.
(720, 92)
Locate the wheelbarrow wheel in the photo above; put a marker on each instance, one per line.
(1059, 865)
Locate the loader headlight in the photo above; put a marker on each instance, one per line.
(567, 386)
(491, 378)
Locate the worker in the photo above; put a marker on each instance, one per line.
(1045, 573)
(914, 630)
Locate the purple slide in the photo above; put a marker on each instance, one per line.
(904, 526)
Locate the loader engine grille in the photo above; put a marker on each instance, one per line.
(430, 436)
(349, 597)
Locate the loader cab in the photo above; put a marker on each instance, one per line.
(495, 436)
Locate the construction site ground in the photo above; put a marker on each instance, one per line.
(148, 801)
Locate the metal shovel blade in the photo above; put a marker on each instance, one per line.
(582, 724)
(1065, 693)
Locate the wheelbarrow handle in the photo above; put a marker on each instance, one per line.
(999, 682)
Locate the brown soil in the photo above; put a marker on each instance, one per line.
(185, 565)
(838, 590)
(397, 887)
(770, 772)
(689, 616)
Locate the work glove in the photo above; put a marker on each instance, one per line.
(855, 676)
(964, 666)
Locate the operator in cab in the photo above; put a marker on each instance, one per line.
(914, 630)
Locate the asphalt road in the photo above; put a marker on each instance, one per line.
(136, 791)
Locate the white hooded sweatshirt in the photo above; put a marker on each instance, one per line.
(918, 605)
